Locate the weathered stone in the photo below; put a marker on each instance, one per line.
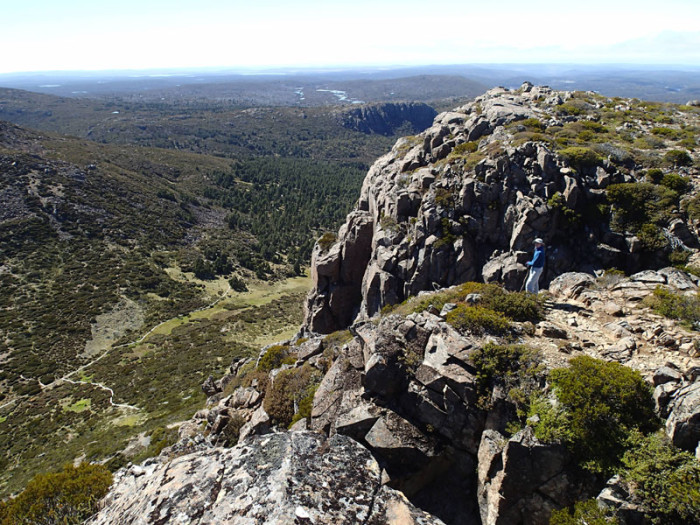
(547, 329)
(570, 285)
(280, 479)
(522, 480)
(617, 495)
(683, 423)
(209, 387)
(259, 424)
(666, 374)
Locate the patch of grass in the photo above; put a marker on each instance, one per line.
(79, 406)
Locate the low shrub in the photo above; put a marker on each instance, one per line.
(274, 357)
(288, 390)
(533, 124)
(515, 368)
(599, 404)
(478, 320)
(580, 158)
(586, 512)
(465, 148)
(683, 308)
(326, 241)
(665, 479)
(678, 157)
(692, 207)
(67, 497)
(676, 182)
(655, 175)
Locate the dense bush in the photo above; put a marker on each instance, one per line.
(67, 497)
(665, 479)
(638, 204)
(676, 182)
(599, 404)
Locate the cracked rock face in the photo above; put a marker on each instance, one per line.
(463, 201)
(284, 478)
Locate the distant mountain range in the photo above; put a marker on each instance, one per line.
(420, 83)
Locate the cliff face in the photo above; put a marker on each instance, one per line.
(465, 199)
(385, 119)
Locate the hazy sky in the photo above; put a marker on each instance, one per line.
(41, 35)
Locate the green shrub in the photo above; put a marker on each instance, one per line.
(655, 175)
(518, 306)
(636, 204)
(515, 368)
(532, 124)
(288, 390)
(601, 403)
(678, 157)
(237, 284)
(584, 513)
(665, 479)
(692, 207)
(66, 497)
(557, 203)
(580, 158)
(676, 182)
(478, 320)
(670, 133)
(673, 305)
(465, 148)
(326, 241)
(274, 357)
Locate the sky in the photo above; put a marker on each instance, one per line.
(55, 35)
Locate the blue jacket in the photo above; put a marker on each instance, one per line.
(538, 258)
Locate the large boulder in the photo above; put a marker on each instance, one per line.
(683, 423)
(522, 480)
(287, 478)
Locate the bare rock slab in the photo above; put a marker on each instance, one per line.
(285, 478)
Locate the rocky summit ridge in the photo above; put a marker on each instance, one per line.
(389, 418)
(465, 199)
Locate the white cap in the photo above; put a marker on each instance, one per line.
(538, 241)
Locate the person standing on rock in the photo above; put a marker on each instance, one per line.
(536, 265)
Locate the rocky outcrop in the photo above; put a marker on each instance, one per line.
(386, 119)
(465, 199)
(522, 480)
(277, 479)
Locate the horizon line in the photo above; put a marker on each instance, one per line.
(350, 67)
